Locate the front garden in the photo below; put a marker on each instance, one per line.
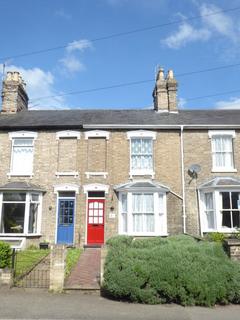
(177, 269)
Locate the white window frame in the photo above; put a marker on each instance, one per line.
(21, 135)
(141, 134)
(160, 215)
(217, 204)
(221, 133)
(26, 213)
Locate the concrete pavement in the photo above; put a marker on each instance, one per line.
(39, 304)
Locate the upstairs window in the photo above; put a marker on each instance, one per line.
(222, 150)
(141, 152)
(22, 153)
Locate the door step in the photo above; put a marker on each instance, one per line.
(94, 246)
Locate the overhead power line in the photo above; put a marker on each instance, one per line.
(222, 93)
(120, 34)
(128, 84)
(188, 99)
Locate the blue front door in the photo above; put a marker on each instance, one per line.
(66, 208)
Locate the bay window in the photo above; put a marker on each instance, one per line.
(20, 213)
(209, 210)
(220, 205)
(142, 211)
(229, 209)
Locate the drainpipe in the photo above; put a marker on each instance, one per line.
(183, 181)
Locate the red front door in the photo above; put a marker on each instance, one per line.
(95, 229)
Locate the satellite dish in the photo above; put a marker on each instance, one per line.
(193, 170)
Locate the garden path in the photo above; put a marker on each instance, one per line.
(86, 274)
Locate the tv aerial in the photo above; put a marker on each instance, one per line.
(194, 170)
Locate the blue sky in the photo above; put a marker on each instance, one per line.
(207, 42)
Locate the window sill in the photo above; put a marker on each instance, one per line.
(142, 173)
(142, 234)
(219, 170)
(223, 230)
(20, 235)
(74, 174)
(104, 174)
(13, 174)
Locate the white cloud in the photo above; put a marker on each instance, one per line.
(71, 62)
(213, 22)
(182, 103)
(39, 83)
(79, 45)
(232, 103)
(63, 14)
(185, 34)
(144, 3)
(221, 22)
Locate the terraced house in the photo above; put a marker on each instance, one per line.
(81, 176)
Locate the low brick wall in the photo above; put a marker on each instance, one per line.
(57, 267)
(232, 247)
(5, 277)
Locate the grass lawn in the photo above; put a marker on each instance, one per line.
(73, 255)
(27, 259)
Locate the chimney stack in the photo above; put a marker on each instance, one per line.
(165, 92)
(14, 96)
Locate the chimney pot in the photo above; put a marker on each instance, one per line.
(170, 74)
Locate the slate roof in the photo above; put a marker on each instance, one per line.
(20, 186)
(221, 182)
(53, 119)
(141, 185)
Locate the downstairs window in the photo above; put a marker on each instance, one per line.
(20, 213)
(143, 213)
(220, 211)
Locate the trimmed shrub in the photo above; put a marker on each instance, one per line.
(178, 269)
(216, 236)
(5, 254)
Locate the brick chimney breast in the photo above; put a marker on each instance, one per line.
(14, 95)
(172, 92)
(165, 92)
(160, 95)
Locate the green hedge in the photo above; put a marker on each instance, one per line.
(5, 255)
(177, 269)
